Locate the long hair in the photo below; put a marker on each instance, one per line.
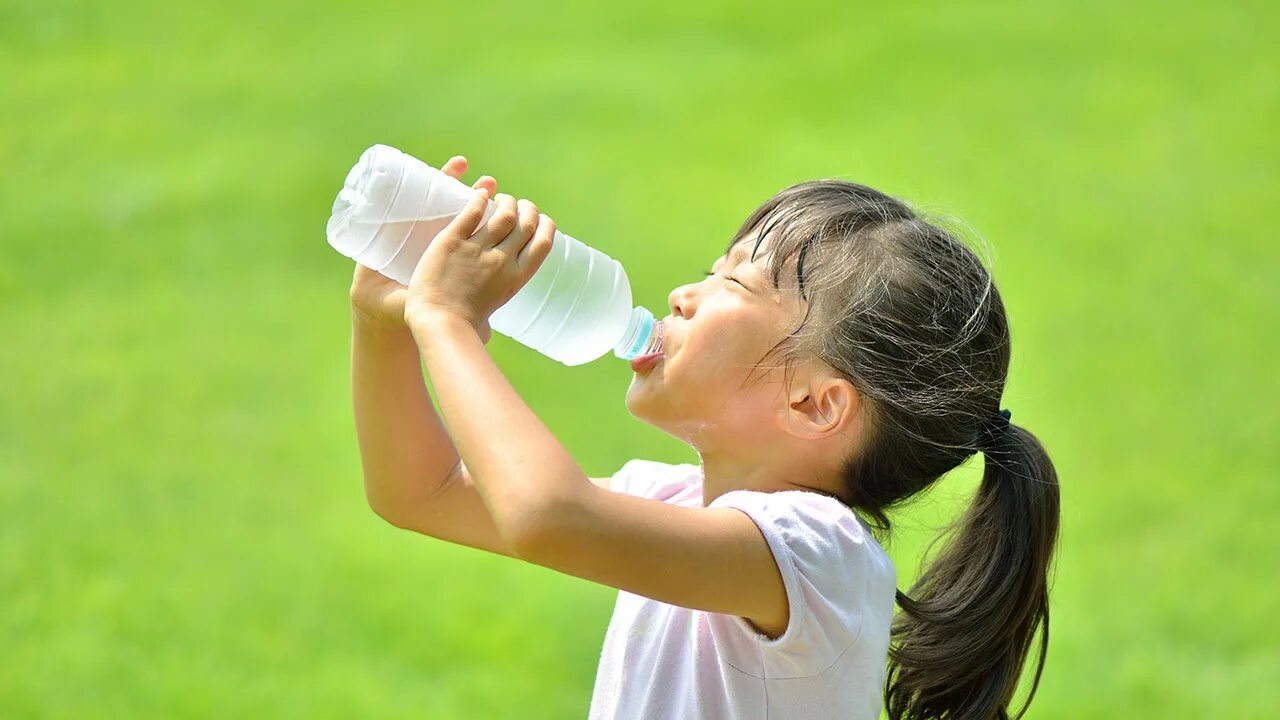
(911, 316)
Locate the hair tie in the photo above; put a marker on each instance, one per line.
(993, 430)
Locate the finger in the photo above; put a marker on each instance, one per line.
(503, 219)
(520, 234)
(455, 166)
(464, 224)
(395, 299)
(538, 248)
(487, 181)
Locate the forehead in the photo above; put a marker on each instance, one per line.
(743, 250)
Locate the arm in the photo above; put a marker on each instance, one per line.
(551, 514)
(413, 476)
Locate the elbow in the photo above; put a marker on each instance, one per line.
(381, 513)
(394, 519)
(383, 509)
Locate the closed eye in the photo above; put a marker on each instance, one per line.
(708, 273)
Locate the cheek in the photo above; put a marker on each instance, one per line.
(749, 412)
(714, 348)
(703, 375)
(698, 382)
(719, 353)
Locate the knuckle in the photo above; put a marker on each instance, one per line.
(528, 223)
(498, 226)
(538, 251)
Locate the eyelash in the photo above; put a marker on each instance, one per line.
(708, 273)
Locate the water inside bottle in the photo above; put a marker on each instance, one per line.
(417, 235)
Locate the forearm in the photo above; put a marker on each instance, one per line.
(525, 479)
(405, 450)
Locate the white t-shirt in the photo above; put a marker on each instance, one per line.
(663, 661)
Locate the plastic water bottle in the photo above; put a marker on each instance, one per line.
(575, 308)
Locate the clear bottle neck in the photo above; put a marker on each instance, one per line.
(642, 337)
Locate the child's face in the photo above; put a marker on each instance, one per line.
(717, 333)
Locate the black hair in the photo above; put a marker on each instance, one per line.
(912, 318)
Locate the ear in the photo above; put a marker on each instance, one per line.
(822, 406)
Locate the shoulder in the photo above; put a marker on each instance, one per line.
(808, 518)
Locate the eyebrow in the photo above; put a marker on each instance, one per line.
(739, 251)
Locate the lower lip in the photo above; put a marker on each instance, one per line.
(645, 363)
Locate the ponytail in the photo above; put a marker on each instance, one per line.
(966, 628)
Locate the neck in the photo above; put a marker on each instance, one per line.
(723, 471)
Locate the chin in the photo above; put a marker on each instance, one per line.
(637, 401)
(654, 408)
(642, 401)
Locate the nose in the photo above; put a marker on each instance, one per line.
(681, 301)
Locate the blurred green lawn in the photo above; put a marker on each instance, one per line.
(183, 530)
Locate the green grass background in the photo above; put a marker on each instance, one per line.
(183, 530)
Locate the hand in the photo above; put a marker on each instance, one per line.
(472, 268)
(377, 298)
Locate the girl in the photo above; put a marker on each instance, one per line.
(840, 357)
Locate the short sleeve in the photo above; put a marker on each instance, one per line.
(831, 569)
(654, 480)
